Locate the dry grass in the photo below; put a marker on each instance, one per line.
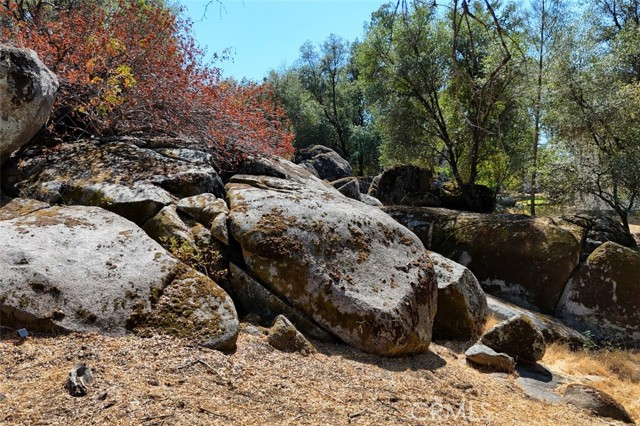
(616, 372)
(635, 232)
(166, 381)
(492, 321)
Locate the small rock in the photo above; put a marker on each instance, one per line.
(2, 397)
(598, 402)
(519, 337)
(285, 337)
(79, 377)
(487, 357)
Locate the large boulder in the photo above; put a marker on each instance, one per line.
(462, 305)
(603, 296)
(118, 175)
(406, 185)
(86, 269)
(328, 164)
(27, 92)
(518, 258)
(518, 337)
(347, 266)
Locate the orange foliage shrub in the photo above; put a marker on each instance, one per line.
(131, 65)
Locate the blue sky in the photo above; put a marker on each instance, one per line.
(267, 34)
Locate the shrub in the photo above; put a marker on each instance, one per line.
(133, 65)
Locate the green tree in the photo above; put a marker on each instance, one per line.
(596, 104)
(323, 97)
(545, 22)
(444, 88)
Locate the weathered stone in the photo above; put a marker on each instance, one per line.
(521, 259)
(195, 306)
(328, 163)
(552, 329)
(603, 296)
(253, 298)
(593, 230)
(346, 265)
(595, 401)
(518, 337)
(167, 226)
(220, 229)
(203, 207)
(403, 183)
(370, 201)
(118, 176)
(137, 202)
(86, 269)
(189, 240)
(373, 187)
(349, 187)
(27, 93)
(12, 208)
(462, 304)
(285, 337)
(539, 383)
(486, 357)
(267, 165)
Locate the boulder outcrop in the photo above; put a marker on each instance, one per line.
(603, 296)
(86, 269)
(133, 181)
(27, 93)
(327, 163)
(518, 258)
(347, 266)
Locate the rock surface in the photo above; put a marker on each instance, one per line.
(603, 296)
(326, 162)
(347, 266)
(117, 175)
(86, 269)
(462, 304)
(349, 187)
(596, 401)
(486, 357)
(517, 337)
(285, 337)
(253, 298)
(523, 260)
(552, 329)
(27, 93)
(406, 185)
(593, 230)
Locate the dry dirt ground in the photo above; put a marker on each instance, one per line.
(168, 381)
